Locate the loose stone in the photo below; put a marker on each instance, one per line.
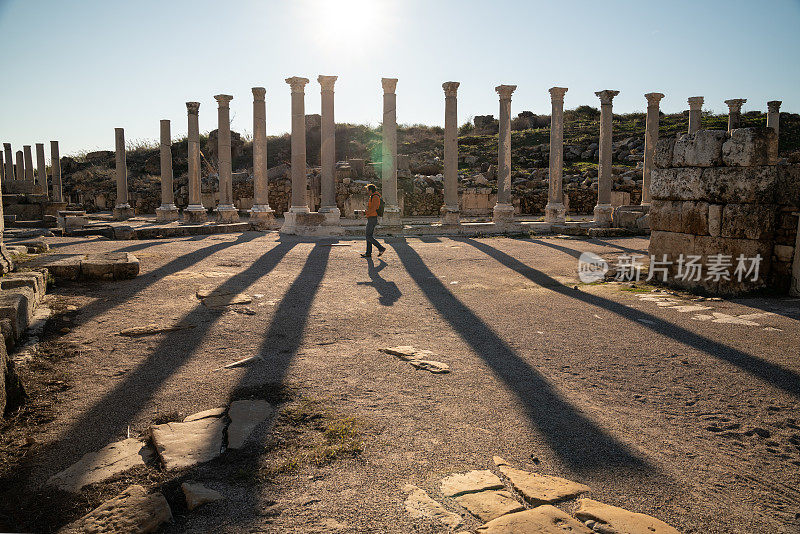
(540, 489)
(133, 510)
(541, 520)
(419, 504)
(488, 505)
(197, 494)
(185, 444)
(245, 416)
(461, 483)
(102, 465)
(614, 520)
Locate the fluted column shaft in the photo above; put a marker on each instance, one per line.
(122, 170)
(28, 165)
(9, 161)
(774, 116)
(735, 112)
(299, 177)
(555, 211)
(260, 184)
(328, 145)
(195, 201)
(55, 170)
(224, 150)
(450, 147)
(389, 149)
(504, 145)
(41, 170)
(695, 113)
(167, 194)
(603, 210)
(650, 140)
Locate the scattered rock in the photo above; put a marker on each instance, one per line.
(488, 505)
(218, 299)
(419, 504)
(197, 494)
(612, 520)
(185, 444)
(102, 465)
(240, 363)
(245, 416)
(430, 365)
(540, 489)
(420, 359)
(459, 484)
(131, 511)
(540, 520)
(213, 412)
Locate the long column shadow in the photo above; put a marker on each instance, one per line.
(579, 442)
(777, 376)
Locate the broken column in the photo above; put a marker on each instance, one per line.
(328, 152)
(391, 213)
(9, 175)
(55, 170)
(450, 211)
(167, 211)
(503, 211)
(122, 210)
(650, 140)
(226, 211)
(554, 211)
(773, 115)
(41, 171)
(194, 212)
(261, 215)
(603, 210)
(695, 113)
(735, 112)
(28, 169)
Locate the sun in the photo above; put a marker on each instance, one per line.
(341, 24)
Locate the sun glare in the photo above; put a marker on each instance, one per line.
(338, 24)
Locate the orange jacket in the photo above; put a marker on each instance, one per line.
(374, 202)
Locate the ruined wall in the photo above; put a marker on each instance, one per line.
(718, 193)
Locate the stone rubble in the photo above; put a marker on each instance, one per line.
(197, 494)
(419, 359)
(132, 511)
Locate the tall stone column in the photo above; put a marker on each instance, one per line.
(122, 210)
(450, 210)
(28, 168)
(261, 216)
(735, 112)
(695, 113)
(504, 211)
(55, 170)
(194, 212)
(9, 175)
(773, 116)
(650, 140)
(555, 212)
(41, 171)
(20, 173)
(328, 152)
(299, 202)
(603, 210)
(167, 211)
(6, 264)
(226, 211)
(391, 213)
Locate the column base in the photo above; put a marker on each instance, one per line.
(555, 213)
(450, 216)
(262, 217)
(123, 212)
(332, 215)
(167, 213)
(194, 213)
(308, 224)
(503, 213)
(392, 219)
(603, 214)
(227, 214)
(299, 209)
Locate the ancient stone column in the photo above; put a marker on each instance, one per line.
(555, 212)
(773, 115)
(603, 210)
(735, 112)
(695, 113)
(28, 168)
(167, 211)
(261, 215)
(299, 202)
(450, 211)
(226, 211)
(122, 210)
(2, 166)
(9, 175)
(650, 140)
(6, 264)
(55, 170)
(20, 172)
(194, 212)
(328, 152)
(504, 211)
(391, 213)
(41, 171)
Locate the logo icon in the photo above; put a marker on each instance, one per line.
(591, 267)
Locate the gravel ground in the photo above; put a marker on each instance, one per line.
(692, 421)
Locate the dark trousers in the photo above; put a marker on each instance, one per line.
(372, 222)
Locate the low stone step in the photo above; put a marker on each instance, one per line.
(103, 266)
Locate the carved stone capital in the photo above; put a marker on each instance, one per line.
(735, 104)
(774, 106)
(557, 94)
(606, 96)
(389, 85)
(193, 107)
(505, 91)
(223, 100)
(259, 93)
(326, 82)
(695, 102)
(450, 88)
(297, 83)
(654, 99)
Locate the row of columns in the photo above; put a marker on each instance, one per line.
(23, 170)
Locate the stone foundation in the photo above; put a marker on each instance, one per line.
(308, 224)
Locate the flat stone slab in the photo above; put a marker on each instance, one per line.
(103, 266)
(184, 444)
(102, 465)
(213, 412)
(213, 298)
(132, 511)
(197, 494)
(613, 520)
(540, 520)
(245, 416)
(461, 483)
(488, 505)
(540, 489)
(419, 504)
(420, 359)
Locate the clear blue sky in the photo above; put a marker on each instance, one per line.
(74, 70)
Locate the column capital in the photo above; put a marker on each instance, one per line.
(695, 102)
(193, 107)
(774, 106)
(505, 91)
(450, 88)
(259, 93)
(223, 100)
(606, 96)
(654, 99)
(735, 104)
(297, 83)
(557, 93)
(389, 85)
(326, 82)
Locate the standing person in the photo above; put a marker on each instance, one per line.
(374, 208)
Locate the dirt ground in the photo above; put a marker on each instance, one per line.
(691, 419)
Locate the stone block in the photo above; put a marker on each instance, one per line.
(783, 253)
(743, 185)
(109, 265)
(751, 146)
(197, 494)
(748, 221)
(187, 444)
(677, 184)
(787, 189)
(665, 215)
(17, 306)
(700, 149)
(32, 279)
(694, 218)
(65, 268)
(133, 510)
(715, 219)
(245, 416)
(665, 147)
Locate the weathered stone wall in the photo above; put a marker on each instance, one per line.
(719, 193)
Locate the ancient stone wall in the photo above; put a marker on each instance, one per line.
(721, 196)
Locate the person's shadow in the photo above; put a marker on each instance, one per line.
(388, 291)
